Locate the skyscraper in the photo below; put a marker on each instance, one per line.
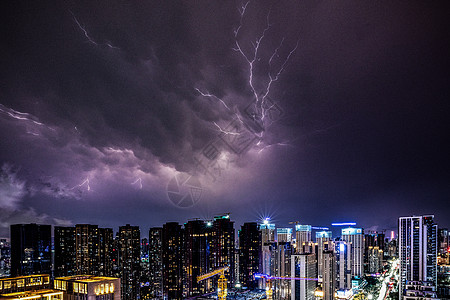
(172, 260)
(417, 241)
(65, 254)
(284, 235)
(343, 265)
(267, 239)
(249, 254)
(303, 265)
(155, 262)
(328, 274)
(129, 261)
(222, 246)
(105, 244)
(87, 250)
(196, 256)
(322, 239)
(355, 236)
(303, 238)
(30, 249)
(281, 253)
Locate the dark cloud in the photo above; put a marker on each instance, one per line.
(110, 92)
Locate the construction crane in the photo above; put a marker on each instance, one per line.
(269, 291)
(221, 283)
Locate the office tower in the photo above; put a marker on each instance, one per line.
(82, 287)
(375, 259)
(267, 232)
(105, 251)
(249, 254)
(284, 235)
(5, 258)
(222, 246)
(281, 267)
(303, 238)
(196, 257)
(87, 250)
(64, 242)
(129, 261)
(343, 265)
(30, 249)
(355, 236)
(303, 265)
(417, 241)
(115, 256)
(328, 274)
(371, 240)
(322, 239)
(267, 238)
(155, 262)
(145, 268)
(443, 240)
(172, 260)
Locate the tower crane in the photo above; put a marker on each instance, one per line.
(221, 283)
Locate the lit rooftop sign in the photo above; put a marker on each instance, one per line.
(302, 227)
(344, 224)
(351, 231)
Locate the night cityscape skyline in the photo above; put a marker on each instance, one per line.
(143, 113)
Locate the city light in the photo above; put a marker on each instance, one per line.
(344, 224)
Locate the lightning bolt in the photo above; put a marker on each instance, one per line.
(19, 115)
(139, 180)
(271, 145)
(85, 182)
(212, 96)
(224, 131)
(86, 34)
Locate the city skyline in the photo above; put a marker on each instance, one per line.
(143, 113)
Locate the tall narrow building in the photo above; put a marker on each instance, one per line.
(249, 254)
(284, 235)
(328, 274)
(343, 265)
(322, 239)
(129, 261)
(303, 238)
(303, 266)
(417, 242)
(87, 255)
(105, 251)
(355, 236)
(155, 263)
(31, 251)
(65, 254)
(172, 261)
(196, 257)
(222, 246)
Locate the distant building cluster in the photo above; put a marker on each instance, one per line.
(204, 259)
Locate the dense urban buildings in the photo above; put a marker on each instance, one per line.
(186, 261)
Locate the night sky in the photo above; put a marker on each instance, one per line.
(341, 115)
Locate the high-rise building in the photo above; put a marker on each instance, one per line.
(267, 232)
(303, 265)
(145, 268)
(172, 260)
(65, 255)
(267, 239)
(303, 238)
(328, 275)
(443, 240)
(322, 239)
(5, 258)
(355, 236)
(30, 249)
(281, 267)
(375, 259)
(343, 265)
(129, 261)
(155, 263)
(105, 244)
(417, 241)
(196, 256)
(87, 250)
(284, 235)
(249, 254)
(222, 246)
